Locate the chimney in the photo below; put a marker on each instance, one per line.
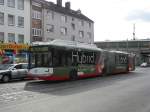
(59, 3)
(78, 11)
(67, 5)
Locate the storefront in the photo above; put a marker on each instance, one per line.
(13, 53)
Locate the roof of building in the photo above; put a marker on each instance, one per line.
(64, 10)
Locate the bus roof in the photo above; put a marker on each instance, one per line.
(69, 44)
(121, 52)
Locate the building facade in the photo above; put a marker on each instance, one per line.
(14, 30)
(26, 21)
(58, 22)
(15, 21)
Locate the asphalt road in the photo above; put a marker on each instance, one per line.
(117, 93)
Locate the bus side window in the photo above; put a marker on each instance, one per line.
(69, 59)
(55, 61)
(50, 59)
(63, 59)
(56, 58)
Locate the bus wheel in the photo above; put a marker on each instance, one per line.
(73, 75)
(104, 72)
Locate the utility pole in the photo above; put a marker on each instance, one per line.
(127, 48)
(134, 31)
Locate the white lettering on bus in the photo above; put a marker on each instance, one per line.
(82, 58)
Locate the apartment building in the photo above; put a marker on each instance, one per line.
(61, 22)
(26, 21)
(15, 21)
(53, 21)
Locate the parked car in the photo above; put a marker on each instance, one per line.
(145, 64)
(13, 71)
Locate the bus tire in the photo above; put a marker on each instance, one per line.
(73, 75)
(104, 72)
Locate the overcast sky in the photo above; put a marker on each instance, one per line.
(114, 19)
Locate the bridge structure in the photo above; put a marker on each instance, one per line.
(139, 47)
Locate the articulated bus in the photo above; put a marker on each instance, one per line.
(68, 60)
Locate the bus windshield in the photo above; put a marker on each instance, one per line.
(41, 59)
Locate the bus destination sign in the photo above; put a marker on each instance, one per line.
(39, 49)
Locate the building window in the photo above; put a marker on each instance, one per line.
(63, 30)
(36, 32)
(50, 28)
(72, 19)
(1, 18)
(37, 39)
(11, 20)
(89, 25)
(1, 37)
(36, 14)
(50, 15)
(21, 4)
(36, 4)
(81, 34)
(11, 37)
(73, 26)
(49, 39)
(11, 3)
(20, 38)
(64, 18)
(1, 2)
(89, 35)
(20, 21)
(73, 38)
(81, 23)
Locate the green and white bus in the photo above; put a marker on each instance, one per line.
(64, 60)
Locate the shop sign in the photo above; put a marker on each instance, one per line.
(14, 46)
